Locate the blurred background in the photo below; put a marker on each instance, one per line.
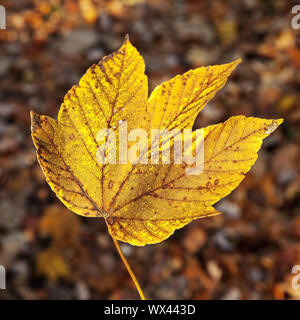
(246, 253)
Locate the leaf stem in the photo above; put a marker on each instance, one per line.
(132, 275)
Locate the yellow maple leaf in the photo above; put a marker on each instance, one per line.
(143, 203)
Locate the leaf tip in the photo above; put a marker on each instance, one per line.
(273, 126)
(126, 38)
(235, 63)
(34, 117)
(126, 43)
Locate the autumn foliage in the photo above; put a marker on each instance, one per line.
(143, 204)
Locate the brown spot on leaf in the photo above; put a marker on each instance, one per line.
(110, 221)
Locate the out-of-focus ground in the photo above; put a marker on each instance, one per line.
(246, 253)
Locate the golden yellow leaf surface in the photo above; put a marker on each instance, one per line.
(143, 203)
